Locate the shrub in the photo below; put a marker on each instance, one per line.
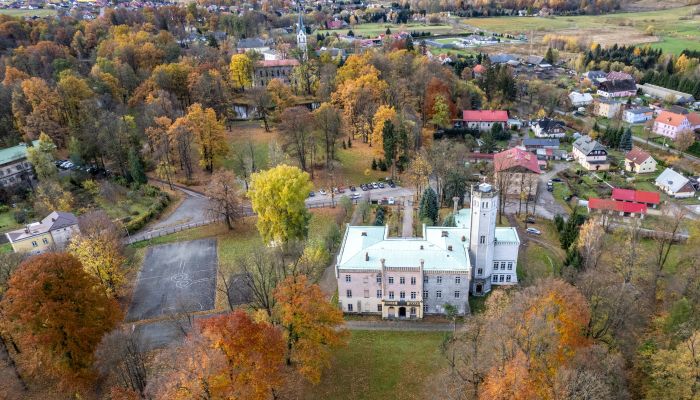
(20, 216)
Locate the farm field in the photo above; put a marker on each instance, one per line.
(381, 364)
(15, 12)
(374, 29)
(674, 29)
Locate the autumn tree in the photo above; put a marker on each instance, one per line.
(224, 200)
(310, 325)
(277, 196)
(684, 139)
(419, 171)
(590, 242)
(296, 128)
(120, 353)
(51, 196)
(162, 146)
(208, 134)
(57, 310)
(675, 373)
(183, 137)
(98, 247)
(263, 103)
(282, 97)
(41, 157)
(359, 99)
(225, 357)
(384, 114)
(328, 120)
(241, 71)
(440, 113)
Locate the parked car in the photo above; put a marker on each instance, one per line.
(392, 184)
(355, 196)
(375, 185)
(530, 219)
(363, 187)
(381, 185)
(533, 231)
(312, 194)
(352, 188)
(391, 201)
(556, 179)
(323, 192)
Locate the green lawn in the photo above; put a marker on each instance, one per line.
(5, 248)
(374, 29)
(381, 365)
(14, 12)
(675, 45)
(7, 221)
(537, 262)
(355, 165)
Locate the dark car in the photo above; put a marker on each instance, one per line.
(530, 219)
(312, 194)
(381, 185)
(352, 188)
(392, 184)
(556, 179)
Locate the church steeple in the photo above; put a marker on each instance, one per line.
(301, 32)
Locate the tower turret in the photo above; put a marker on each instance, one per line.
(484, 209)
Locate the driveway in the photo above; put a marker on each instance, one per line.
(547, 207)
(192, 209)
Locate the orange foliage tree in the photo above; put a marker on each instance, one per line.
(59, 313)
(229, 356)
(310, 323)
(542, 331)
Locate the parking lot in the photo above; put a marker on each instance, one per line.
(387, 194)
(175, 278)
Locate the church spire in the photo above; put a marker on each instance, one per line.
(300, 23)
(301, 33)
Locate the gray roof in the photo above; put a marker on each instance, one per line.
(251, 43)
(585, 144)
(639, 110)
(55, 220)
(672, 181)
(541, 142)
(501, 58)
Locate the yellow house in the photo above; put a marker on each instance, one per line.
(52, 232)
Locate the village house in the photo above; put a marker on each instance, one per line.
(650, 199)
(580, 99)
(619, 76)
(413, 277)
(266, 70)
(52, 232)
(14, 167)
(608, 108)
(674, 184)
(482, 120)
(549, 128)
(639, 161)
(590, 154)
(617, 88)
(638, 115)
(595, 76)
(536, 143)
(519, 170)
(670, 124)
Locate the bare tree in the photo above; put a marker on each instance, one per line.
(666, 236)
(296, 129)
(262, 276)
(224, 200)
(329, 122)
(263, 103)
(120, 353)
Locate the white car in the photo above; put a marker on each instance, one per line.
(391, 201)
(323, 192)
(355, 196)
(533, 231)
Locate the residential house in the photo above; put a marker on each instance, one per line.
(517, 171)
(639, 161)
(482, 120)
(52, 232)
(670, 124)
(501, 58)
(650, 199)
(580, 99)
(608, 108)
(549, 128)
(266, 70)
(533, 60)
(619, 76)
(662, 93)
(537, 143)
(674, 184)
(617, 88)
(590, 154)
(621, 208)
(638, 115)
(14, 167)
(253, 44)
(412, 277)
(595, 76)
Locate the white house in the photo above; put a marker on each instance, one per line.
(411, 277)
(592, 155)
(638, 115)
(670, 124)
(674, 184)
(639, 161)
(580, 99)
(549, 128)
(483, 120)
(14, 166)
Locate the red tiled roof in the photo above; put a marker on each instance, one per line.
(694, 119)
(485, 115)
(290, 62)
(479, 69)
(637, 196)
(620, 206)
(670, 118)
(516, 157)
(637, 155)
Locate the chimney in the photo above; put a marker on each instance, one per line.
(366, 256)
(421, 247)
(383, 261)
(422, 265)
(449, 248)
(455, 201)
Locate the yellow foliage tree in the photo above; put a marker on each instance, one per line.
(208, 134)
(358, 98)
(241, 71)
(383, 114)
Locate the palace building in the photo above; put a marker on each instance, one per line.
(411, 277)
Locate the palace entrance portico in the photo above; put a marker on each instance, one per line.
(393, 309)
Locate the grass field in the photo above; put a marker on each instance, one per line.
(374, 29)
(7, 221)
(677, 27)
(5, 248)
(381, 365)
(14, 12)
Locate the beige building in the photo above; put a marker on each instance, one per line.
(592, 155)
(639, 161)
(608, 108)
(52, 232)
(267, 70)
(520, 169)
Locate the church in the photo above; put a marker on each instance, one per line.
(399, 277)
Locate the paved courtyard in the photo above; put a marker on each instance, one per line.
(174, 278)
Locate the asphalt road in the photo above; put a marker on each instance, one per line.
(193, 208)
(663, 148)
